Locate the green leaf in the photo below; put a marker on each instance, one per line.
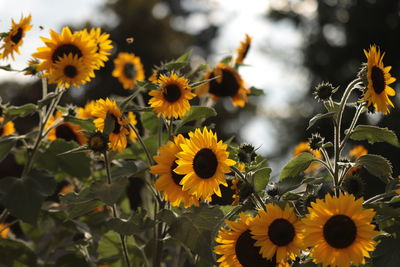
(226, 60)
(21, 111)
(109, 124)
(195, 113)
(256, 92)
(84, 196)
(109, 193)
(318, 117)
(23, 197)
(374, 134)
(194, 229)
(386, 253)
(14, 253)
(297, 165)
(150, 121)
(174, 66)
(49, 97)
(376, 165)
(127, 169)
(85, 124)
(332, 106)
(71, 259)
(289, 184)
(166, 216)
(261, 178)
(6, 144)
(137, 223)
(75, 164)
(77, 210)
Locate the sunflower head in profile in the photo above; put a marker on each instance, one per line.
(132, 120)
(203, 161)
(278, 232)
(305, 147)
(70, 70)
(237, 246)
(117, 137)
(339, 231)
(87, 111)
(172, 98)
(226, 82)
(14, 38)
(4, 231)
(32, 68)
(358, 151)
(243, 50)
(128, 69)
(103, 44)
(98, 142)
(64, 130)
(378, 80)
(169, 181)
(6, 128)
(62, 45)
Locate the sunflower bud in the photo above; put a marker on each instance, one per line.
(353, 184)
(98, 142)
(71, 110)
(246, 153)
(316, 141)
(32, 67)
(324, 91)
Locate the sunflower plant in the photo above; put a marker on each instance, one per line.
(145, 180)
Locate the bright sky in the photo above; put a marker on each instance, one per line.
(267, 69)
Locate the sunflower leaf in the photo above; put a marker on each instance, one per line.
(318, 117)
(13, 112)
(109, 124)
(14, 253)
(376, 165)
(195, 113)
(138, 222)
(6, 144)
(85, 124)
(386, 253)
(297, 165)
(256, 91)
(184, 57)
(374, 134)
(109, 193)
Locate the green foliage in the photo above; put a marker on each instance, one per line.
(297, 165)
(374, 134)
(85, 124)
(14, 112)
(16, 253)
(196, 113)
(256, 92)
(320, 116)
(6, 144)
(137, 223)
(386, 253)
(376, 165)
(109, 193)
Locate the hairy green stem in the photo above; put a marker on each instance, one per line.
(379, 197)
(114, 211)
(352, 125)
(147, 152)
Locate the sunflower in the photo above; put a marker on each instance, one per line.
(203, 161)
(278, 231)
(128, 69)
(378, 78)
(4, 232)
(6, 129)
(117, 137)
(31, 69)
(67, 43)
(305, 147)
(339, 231)
(103, 44)
(172, 100)
(358, 151)
(168, 180)
(64, 130)
(243, 50)
(69, 70)
(133, 122)
(226, 83)
(13, 39)
(87, 111)
(236, 246)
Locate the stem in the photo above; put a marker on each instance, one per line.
(114, 212)
(170, 129)
(148, 155)
(327, 158)
(379, 197)
(9, 225)
(3, 215)
(352, 125)
(326, 166)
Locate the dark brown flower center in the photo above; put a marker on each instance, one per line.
(378, 79)
(1, 131)
(281, 232)
(129, 70)
(65, 132)
(248, 255)
(340, 231)
(65, 49)
(70, 71)
(18, 36)
(205, 163)
(176, 177)
(172, 93)
(229, 85)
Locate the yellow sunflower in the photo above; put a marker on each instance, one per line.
(133, 122)
(168, 180)
(379, 78)
(103, 44)
(64, 44)
(65, 130)
(236, 245)
(228, 83)
(339, 231)
(278, 231)
(14, 37)
(128, 69)
(203, 161)
(305, 147)
(4, 232)
(358, 151)
(31, 69)
(117, 137)
(7, 128)
(172, 100)
(243, 50)
(87, 111)
(70, 70)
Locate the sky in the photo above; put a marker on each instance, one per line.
(267, 70)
